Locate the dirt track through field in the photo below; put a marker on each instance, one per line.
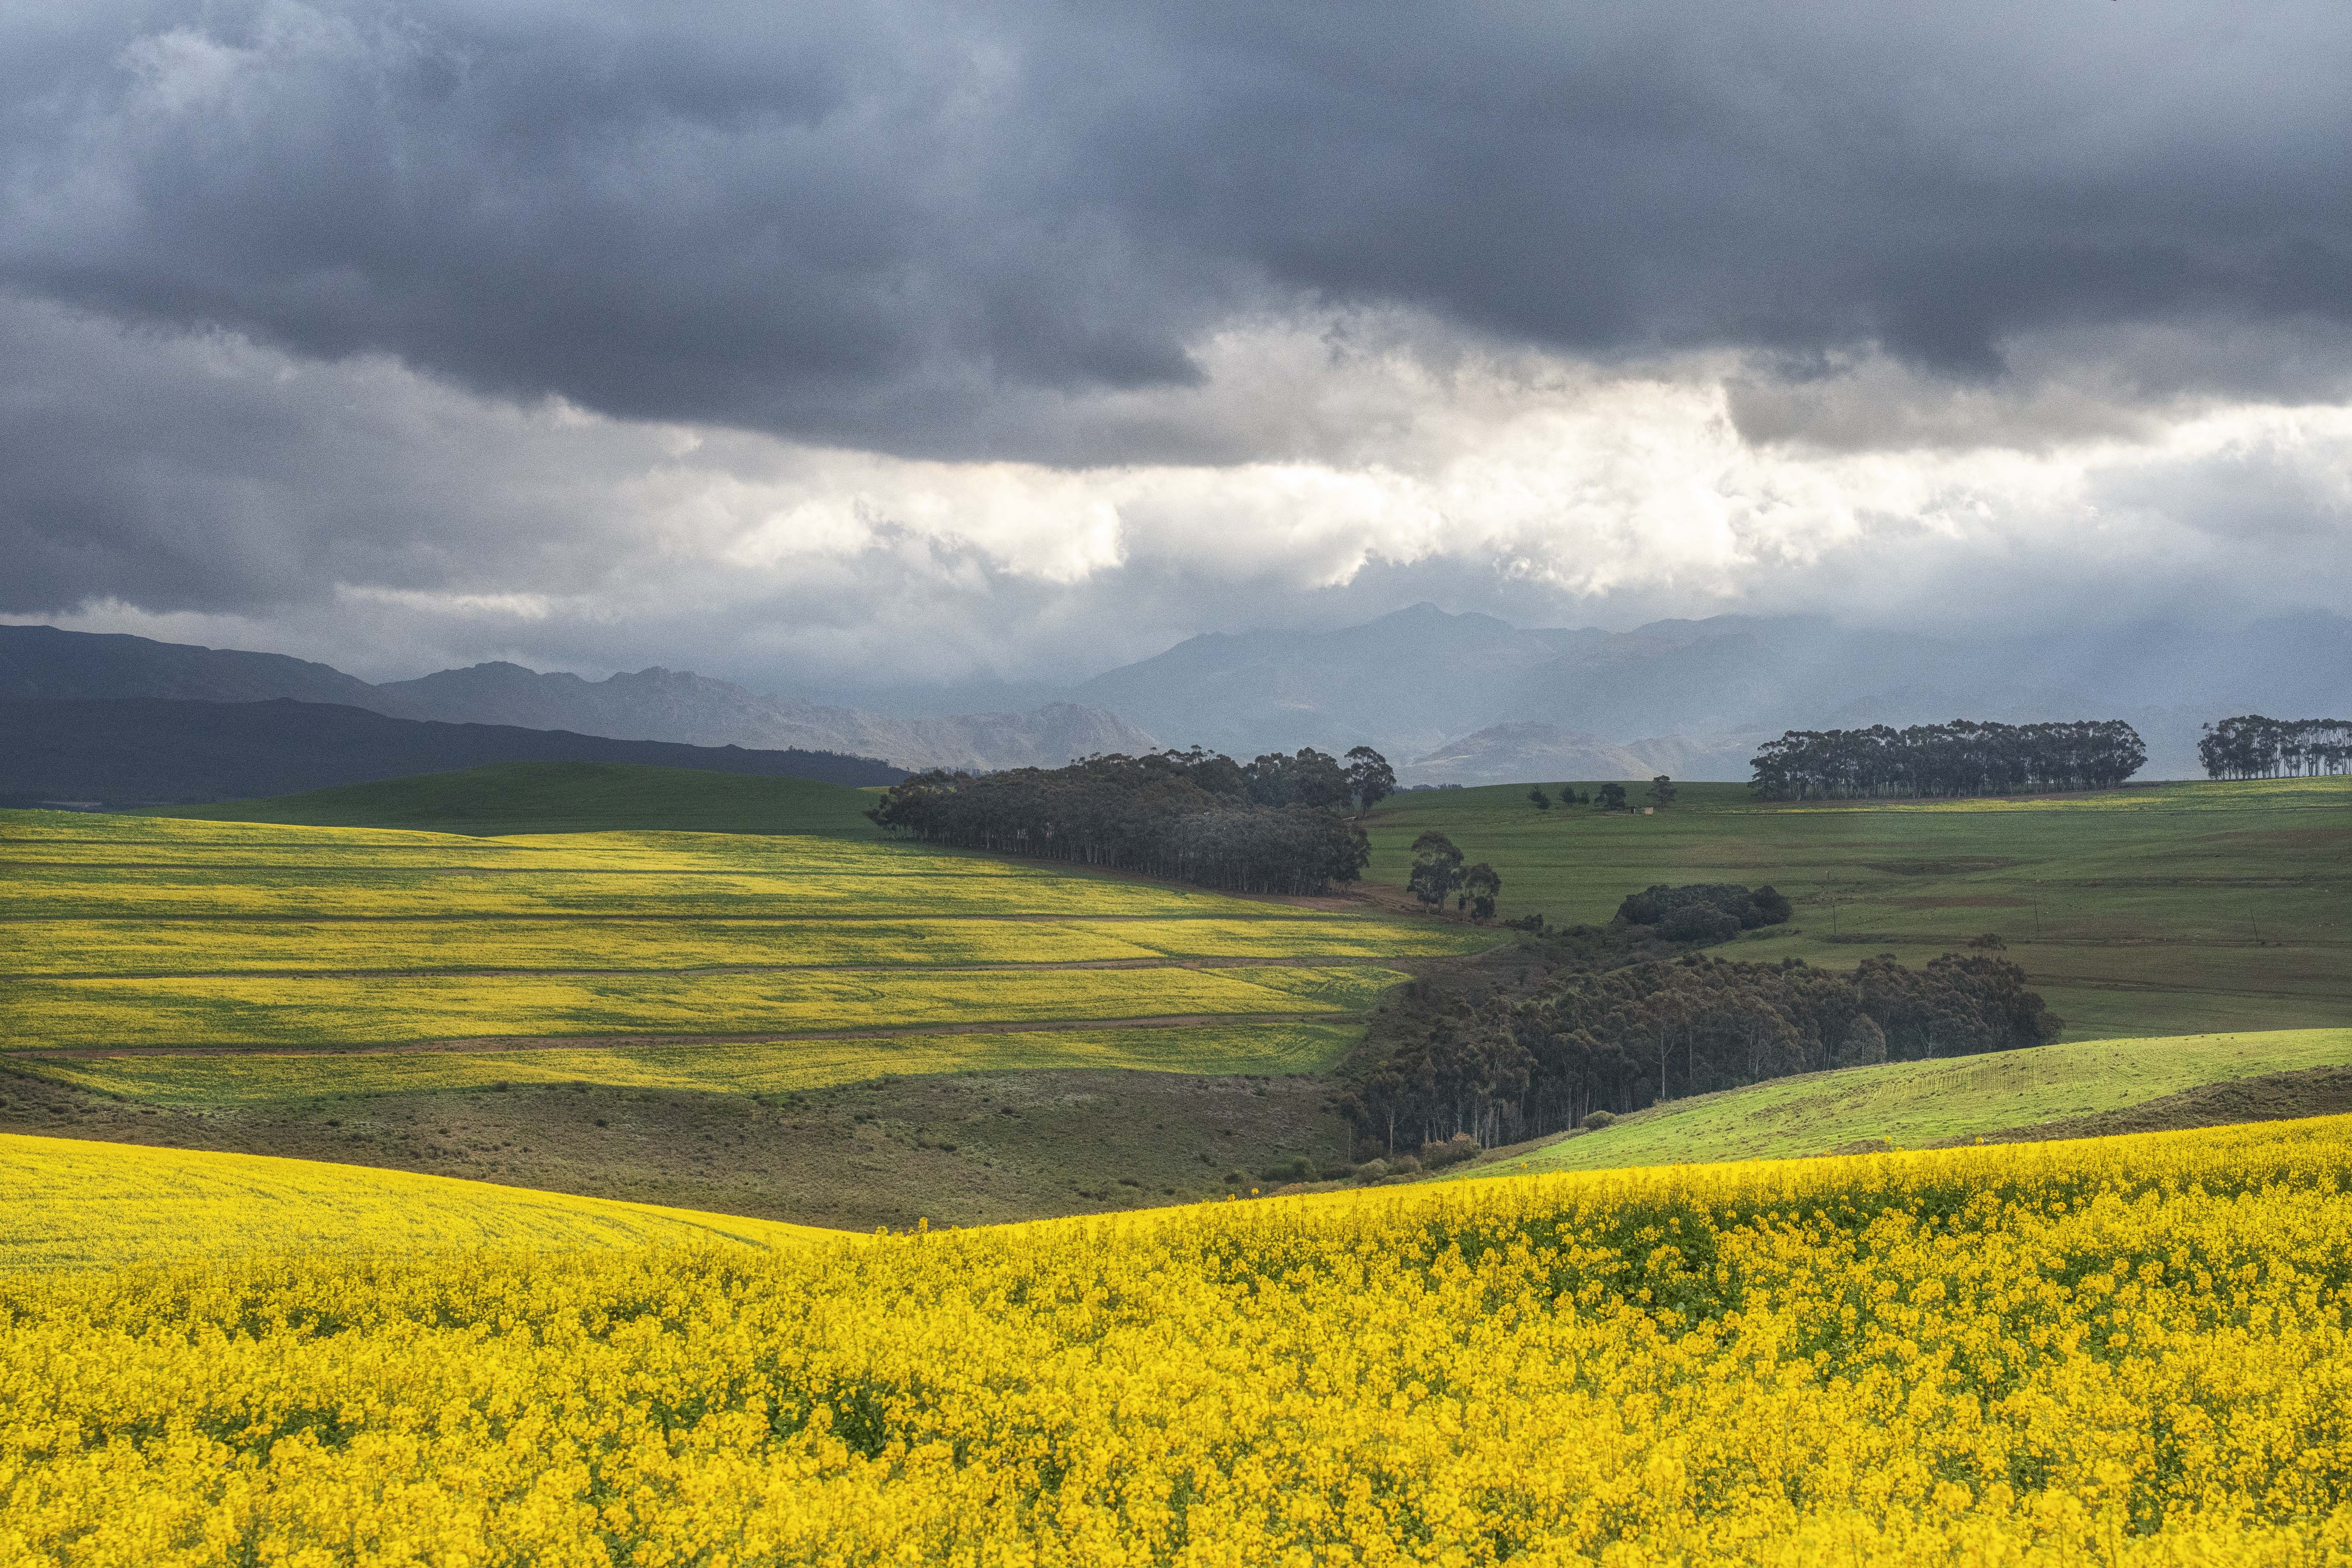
(493, 1043)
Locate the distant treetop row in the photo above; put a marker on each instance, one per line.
(2253, 747)
(1272, 826)
(1965, 757)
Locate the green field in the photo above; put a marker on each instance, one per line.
(146, 933)
(73, 1205)
(326, 1011)
(2171, 908)
(752, 1067)
(1912, 1103)
(565, 797)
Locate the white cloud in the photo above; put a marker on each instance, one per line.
(401, 523)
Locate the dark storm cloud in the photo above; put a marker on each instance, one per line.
(957, 230)
(199, 473)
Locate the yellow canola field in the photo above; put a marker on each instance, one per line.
(69, 1203)
(2130, 1352)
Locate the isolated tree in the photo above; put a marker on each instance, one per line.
(1662, 791)
(1436, 868)
(1567, 796)
(1480, 887)
(1370, 777)
(1542, 801)
(1612, 797)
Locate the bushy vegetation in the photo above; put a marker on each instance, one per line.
(1704, 911)
(2127, 1352)
(2253, 747)
(1618, 1039)
(1274, 825)
(1965, 757)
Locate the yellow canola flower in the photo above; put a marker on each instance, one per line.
(2125, 1352)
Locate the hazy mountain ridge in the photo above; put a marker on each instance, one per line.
(675, 706)
(143, 749)
(659, 704)
(1467, 698)
(1448, 697)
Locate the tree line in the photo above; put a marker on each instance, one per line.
(1618, 1039)
(1965, 757)
(1271, 825)
(2252, 747)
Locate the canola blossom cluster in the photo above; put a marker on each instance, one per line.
(2130, 1351)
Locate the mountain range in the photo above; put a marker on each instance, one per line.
(127, 751)
(1469, 699)
(650, 705)
(1450, 698)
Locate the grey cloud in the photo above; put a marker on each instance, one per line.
(962, 231)
(198, 473)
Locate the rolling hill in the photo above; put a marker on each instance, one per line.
(792, 1018)
(45, 663)
(1912, 1104)
(78, 1205)
(138, 751)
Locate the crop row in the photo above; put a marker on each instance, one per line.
(715, 1067)
(180, 947)
(319, 1010)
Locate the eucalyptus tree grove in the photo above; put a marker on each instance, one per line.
(1272, 826)
(2252, 747)
(1964, 757)
(1630, 1037)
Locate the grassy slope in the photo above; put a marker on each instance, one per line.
(563, 797)
(1911, 1103)
(2174, 908)
(174, 932)
(81, 1204)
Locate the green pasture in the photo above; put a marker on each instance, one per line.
(2169, 909)
(143, 932)
(159, 869)
(565, 797)
(374, 1010)
(74, 947)
(1912, 1103)
(220, 1082)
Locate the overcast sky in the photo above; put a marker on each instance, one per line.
(819, 345)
